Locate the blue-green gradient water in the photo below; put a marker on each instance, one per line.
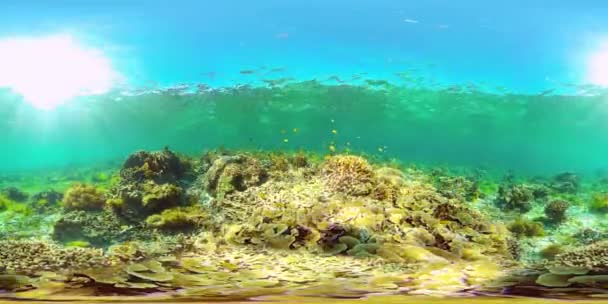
(466, 83)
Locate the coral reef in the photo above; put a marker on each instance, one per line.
(161, 167)
(83, 197)
(348, 174)
(515, 198)
(149, 184)
(100, 229)
(31, 257)
(555, 211)
(231, 173)
(284, 220)
(525, 227)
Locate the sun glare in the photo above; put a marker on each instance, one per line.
(49, 71)
(597, 67)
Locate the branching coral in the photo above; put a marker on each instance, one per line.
(348, 174)
(83, 197)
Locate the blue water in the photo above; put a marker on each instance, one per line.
(522, 45)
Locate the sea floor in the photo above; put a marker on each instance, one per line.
(255, 226)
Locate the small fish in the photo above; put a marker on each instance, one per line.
(332, 121)
(380, 149)
(285, 140)
(247, 72)
(410, 21)
(332, 148)
(334, 131)
(283, 131)
(295, 130)
(277, 70)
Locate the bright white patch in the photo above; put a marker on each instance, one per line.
(597, 67)
(49, 71)
(410, 21)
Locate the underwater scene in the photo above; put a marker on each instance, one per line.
(304, 151)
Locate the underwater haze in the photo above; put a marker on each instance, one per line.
(379, 151)
(473, 83)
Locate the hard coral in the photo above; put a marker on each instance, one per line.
(83, 197)
(98, 228)
(556, 211)
(515, 197)
(162, 167)
(30, 257)
(525, 227)
(592, 257)
(150, 183)
(349, 174)
(229, 174)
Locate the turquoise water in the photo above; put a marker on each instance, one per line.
(465, 80)
(529, 134)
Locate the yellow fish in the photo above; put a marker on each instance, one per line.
(295, 130)
(334, 131)
(332, 148)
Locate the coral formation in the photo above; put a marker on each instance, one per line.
(149, 184)
(555, 211)
(252, 219)
(231, 173)
(83, 197)
(100, 229)
(348, 174)
(525, 227)
(515, 197)
(30, 257)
